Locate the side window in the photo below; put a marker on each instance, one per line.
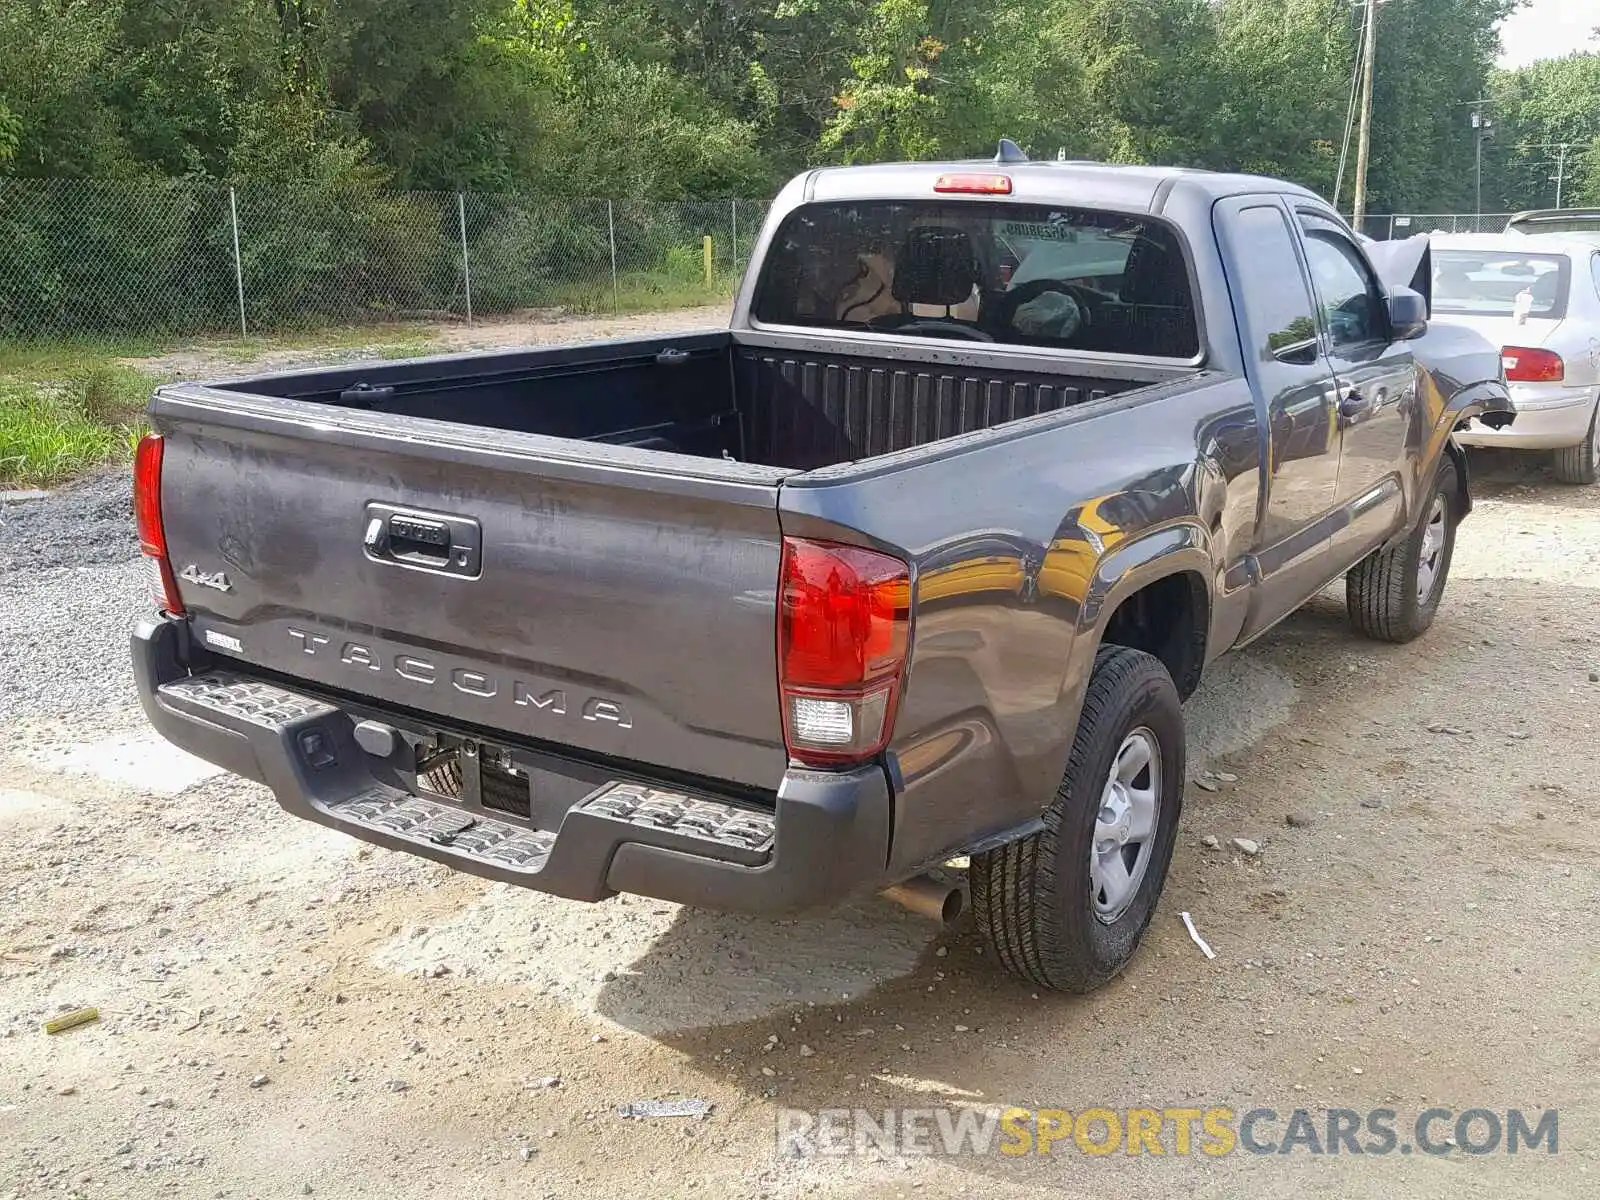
(1351, 300)
(1278, 306)
(1594, 267)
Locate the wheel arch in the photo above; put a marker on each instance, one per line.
(1154, 595)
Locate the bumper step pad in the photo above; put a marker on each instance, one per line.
(246, 700)
(700, 819)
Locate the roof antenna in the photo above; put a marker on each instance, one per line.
(1010, 152)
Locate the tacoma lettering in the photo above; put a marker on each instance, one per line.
(466, 681)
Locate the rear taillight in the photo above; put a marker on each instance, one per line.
(147, 518)
(844, 621)
(1532, 366)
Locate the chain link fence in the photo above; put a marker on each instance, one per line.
(93, 259)
(1404, 225)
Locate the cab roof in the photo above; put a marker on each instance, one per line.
(1079, 184)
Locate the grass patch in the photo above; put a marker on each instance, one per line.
(65, 360)
(385, 341)
(643, 291)
(65, 409)
(48, 435)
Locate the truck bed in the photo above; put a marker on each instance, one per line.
(792, 402)
(540, 542)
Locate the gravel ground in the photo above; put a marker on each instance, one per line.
(71, 587)
(88, 524)
(286, 1012)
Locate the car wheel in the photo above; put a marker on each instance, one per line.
(1066, 907)
(1581, 463)
(1393, 595)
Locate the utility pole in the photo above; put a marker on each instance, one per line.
(1482, 126)
(1560, 149)
(1369, 54)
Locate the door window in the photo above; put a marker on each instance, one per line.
(1278, 307)
(1352, 303)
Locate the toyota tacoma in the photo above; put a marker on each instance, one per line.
(916, 560)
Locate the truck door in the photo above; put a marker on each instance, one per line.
(1294, 382)
(1377, 383)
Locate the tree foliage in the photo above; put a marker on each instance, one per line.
(1537, 111)
(669, 98)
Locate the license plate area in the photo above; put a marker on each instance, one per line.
(479, 775)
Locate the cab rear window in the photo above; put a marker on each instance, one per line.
(1483, 283)
(1014, 274)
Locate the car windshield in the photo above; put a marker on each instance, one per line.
(1485, 283)
(1015, 274)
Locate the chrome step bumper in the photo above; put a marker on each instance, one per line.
(826, 837)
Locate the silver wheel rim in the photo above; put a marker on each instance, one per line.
(1433, 540)
(1125, 826)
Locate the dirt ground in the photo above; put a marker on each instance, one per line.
(286, 1012)
(540, 327)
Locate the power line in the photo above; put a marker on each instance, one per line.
(1350, 117)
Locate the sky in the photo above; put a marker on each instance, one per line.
(1549, 29)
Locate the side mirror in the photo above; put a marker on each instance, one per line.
(1408, 314)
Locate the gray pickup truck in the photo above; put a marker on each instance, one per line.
(916, 560)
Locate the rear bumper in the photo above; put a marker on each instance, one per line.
(1548, 418)
(826, 838)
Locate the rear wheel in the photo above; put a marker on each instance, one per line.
(1581, 463)
(1393, 595)
(1067, 907)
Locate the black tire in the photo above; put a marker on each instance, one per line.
(1032, 898)
(1383, 593)
(1581, 463)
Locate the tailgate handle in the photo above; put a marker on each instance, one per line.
(424, 541)
(414, 537)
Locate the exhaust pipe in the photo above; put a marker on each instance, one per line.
(929, 897)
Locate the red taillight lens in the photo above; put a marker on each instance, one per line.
(147, 519)
(844, 621)
(1532, 366)
(974, 184)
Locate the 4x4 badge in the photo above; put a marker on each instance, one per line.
(219, 581)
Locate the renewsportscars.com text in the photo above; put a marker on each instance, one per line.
(1162, 1132)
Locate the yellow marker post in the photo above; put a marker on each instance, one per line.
(706, 245)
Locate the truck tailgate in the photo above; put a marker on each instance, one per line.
(580, 594)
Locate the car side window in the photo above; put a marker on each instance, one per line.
(1278, 306)
(1594, 268)
(1351, 301)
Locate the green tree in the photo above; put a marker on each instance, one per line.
(1285, 67)
(1538, 109)
(1434, 58)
